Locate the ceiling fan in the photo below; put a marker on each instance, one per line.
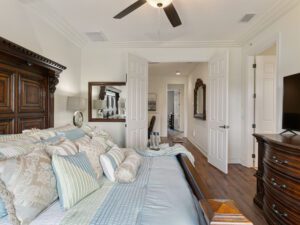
(166, 5)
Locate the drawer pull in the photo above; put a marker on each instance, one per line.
(277, 212)
(285, 162)
(282, 186)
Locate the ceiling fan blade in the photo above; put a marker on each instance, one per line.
(130, 9)
(172, 15)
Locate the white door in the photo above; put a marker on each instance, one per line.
(218, 112)
(137, 100)
(265, 96)
(177, 110)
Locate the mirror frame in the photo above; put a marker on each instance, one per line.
(200, 84)
(91, 84)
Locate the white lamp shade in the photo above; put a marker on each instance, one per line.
(76, 104)
(99, 104)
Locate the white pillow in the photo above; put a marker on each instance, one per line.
(110, 162)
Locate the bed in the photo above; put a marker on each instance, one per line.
(168, 190)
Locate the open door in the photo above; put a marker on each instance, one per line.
(137, 98)
(218, 112)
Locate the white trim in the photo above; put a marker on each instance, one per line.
(252, 51)
(275, 12)
(198, 147)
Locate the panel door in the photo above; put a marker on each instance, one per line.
(218, 112)
(137, 96)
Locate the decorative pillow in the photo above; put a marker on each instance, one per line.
(88, 130)
(39, 134)
(72, 134)
(3, 211)
(128, 169)
(93, 151)
(31, 181)
(62, 147)
(64, 128)
(107, 144)
(82, 141)
(75, 178)
(17, 137)
(110, 162)
(15, 148)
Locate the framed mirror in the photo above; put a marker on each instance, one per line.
(200, 100)
(107, 102)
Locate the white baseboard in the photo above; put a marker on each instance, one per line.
(198, 147)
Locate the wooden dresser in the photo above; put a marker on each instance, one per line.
(278, 178)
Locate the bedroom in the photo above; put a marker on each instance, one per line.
(57, 30)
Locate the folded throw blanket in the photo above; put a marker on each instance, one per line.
(166, 150)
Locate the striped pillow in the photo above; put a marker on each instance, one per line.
(3, 211)
(110, 162)
(93, 151)
(75, 178)
(63, 147)
(82, 141)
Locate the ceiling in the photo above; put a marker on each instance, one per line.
(170, 69)
(203, 20)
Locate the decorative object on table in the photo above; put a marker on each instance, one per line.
(77, 104)
(106, 101)
(200, 100)
(99, 105)
(152, 101)
(154, 141)
(151, 125)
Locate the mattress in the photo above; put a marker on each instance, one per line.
(160, 195)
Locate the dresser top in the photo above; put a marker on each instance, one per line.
(291, 141)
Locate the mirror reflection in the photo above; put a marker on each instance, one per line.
(200, 107)
(108, 102)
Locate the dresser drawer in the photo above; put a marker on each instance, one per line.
(282, 184)
(279, 211)
(285, 163)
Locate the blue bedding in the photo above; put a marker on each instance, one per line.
(160, 195)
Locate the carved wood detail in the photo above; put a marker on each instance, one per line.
(27, 85)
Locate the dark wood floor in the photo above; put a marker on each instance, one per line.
(239, 184)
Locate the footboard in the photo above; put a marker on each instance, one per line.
(216, 211)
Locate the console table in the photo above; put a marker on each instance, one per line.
(278, 178)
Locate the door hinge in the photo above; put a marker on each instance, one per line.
(254, 66)
(253, 156)
(254, 126)
(254, 95)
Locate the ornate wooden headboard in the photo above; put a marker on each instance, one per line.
(27, 85)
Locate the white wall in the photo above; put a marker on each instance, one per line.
(101, 62)
(20, 25)
(286, 32)
(159, 85)
(197, 129)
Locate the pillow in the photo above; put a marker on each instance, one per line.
(3, 211)
(110, 162)
(82, 141)
(88, 130)
(72, 134)
(31, 181)
(98, 132)
(93, 151)
(107, 144)
(17, 137)
(39, 134)
(128, 169)
(75, 178)
(15, 148)
(64, 128)
(62, 147)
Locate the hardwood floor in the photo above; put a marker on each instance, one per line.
(239, 184)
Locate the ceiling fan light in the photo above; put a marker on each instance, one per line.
(159, 3)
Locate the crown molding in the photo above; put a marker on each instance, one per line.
(268, 18)
(171, 44)
(49, 15)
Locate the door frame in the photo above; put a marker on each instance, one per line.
(248, 55)
(185, 111)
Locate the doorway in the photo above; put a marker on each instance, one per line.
(175, 111)
(263, 82)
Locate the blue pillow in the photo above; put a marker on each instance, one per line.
(3, 211)
(75, 178)
(72, 134)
